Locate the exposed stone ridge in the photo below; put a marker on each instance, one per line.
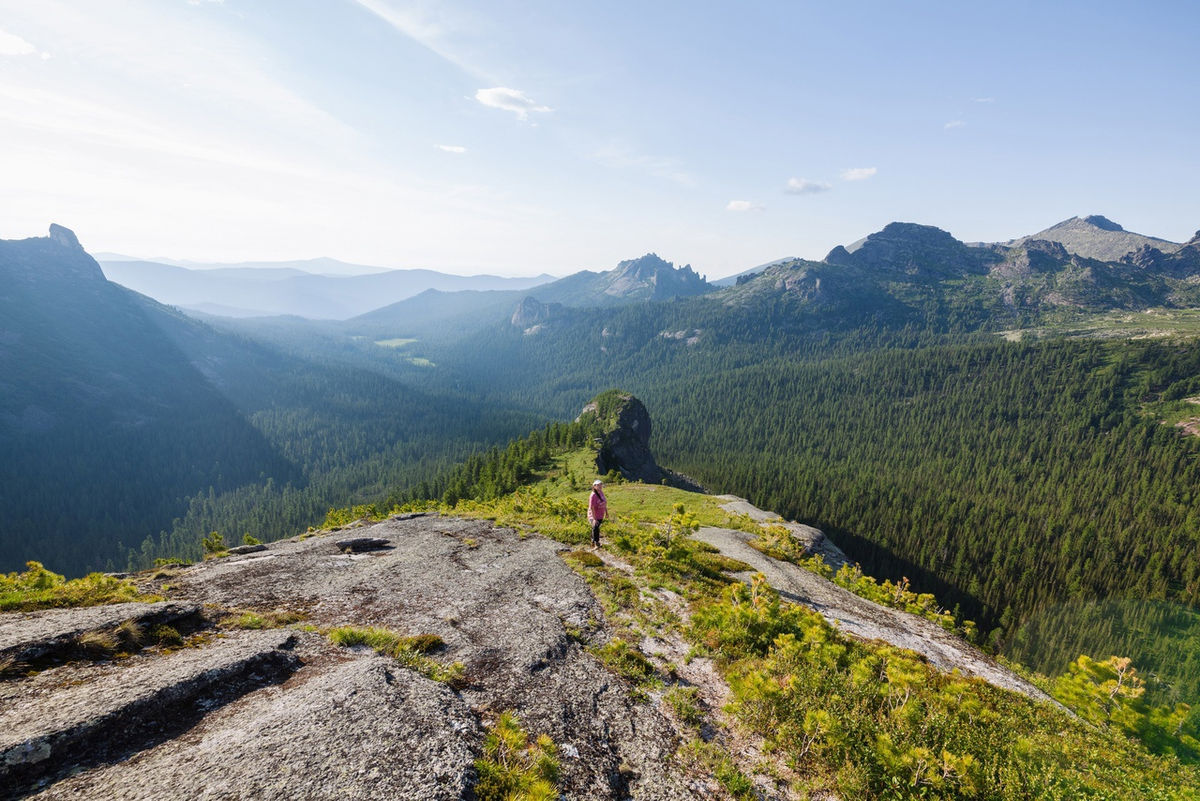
(286, 714)
(29, 636)
(51, 734)
(866, 620)
(814, 540)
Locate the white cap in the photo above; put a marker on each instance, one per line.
(597, 483)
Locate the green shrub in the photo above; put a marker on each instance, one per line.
(512, 768)
(214, 544)
(874, 721)
(586, 558)
(336, 518)
(166, 636)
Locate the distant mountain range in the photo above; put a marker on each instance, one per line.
(316, 289)
(434, 314)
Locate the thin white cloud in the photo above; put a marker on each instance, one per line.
(618, 156)
(13, 45)
(803, 186)
(983, 100)
(452, 148)
(513, 100)
(421, 29)
(743, 205)
(954, 124)
(858, 173)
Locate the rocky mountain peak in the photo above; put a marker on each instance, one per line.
(1102, 222)
(644, 268)
(922, 251)
(654, 278)
(64, 236)
(57, 257)
(1096, 237)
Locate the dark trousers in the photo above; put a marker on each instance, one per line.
(596, 531)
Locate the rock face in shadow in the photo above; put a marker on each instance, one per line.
(286, 714)
(625, 443)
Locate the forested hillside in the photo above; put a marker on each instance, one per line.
(129, 431)
(875, 394)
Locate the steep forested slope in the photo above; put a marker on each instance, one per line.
(121, 419)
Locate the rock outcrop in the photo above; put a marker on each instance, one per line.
(531, 312)
(625, 443)
(286, 714)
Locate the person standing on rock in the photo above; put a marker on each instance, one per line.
(597, 509)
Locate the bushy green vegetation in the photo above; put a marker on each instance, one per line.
(408, 651)
(873, 721)
(513, 768)
(38, 588)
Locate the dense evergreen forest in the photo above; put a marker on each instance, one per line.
(1008, 478)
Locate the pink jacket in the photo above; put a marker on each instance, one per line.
(597, 506)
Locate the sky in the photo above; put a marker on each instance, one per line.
(519, 138)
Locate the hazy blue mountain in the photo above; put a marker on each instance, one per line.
(446, 315)
(105, 423)
(265, 288)
(646, 278)
(732, 280)
(121, 418)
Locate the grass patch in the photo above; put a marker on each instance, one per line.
(269, 620)
(627, 661)
(38, 588)
(408, 651)
(685, 703)
(512, 768)
(713, 759)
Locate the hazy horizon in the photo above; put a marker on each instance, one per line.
(527, 138)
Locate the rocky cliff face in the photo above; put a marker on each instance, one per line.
(625, 445)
